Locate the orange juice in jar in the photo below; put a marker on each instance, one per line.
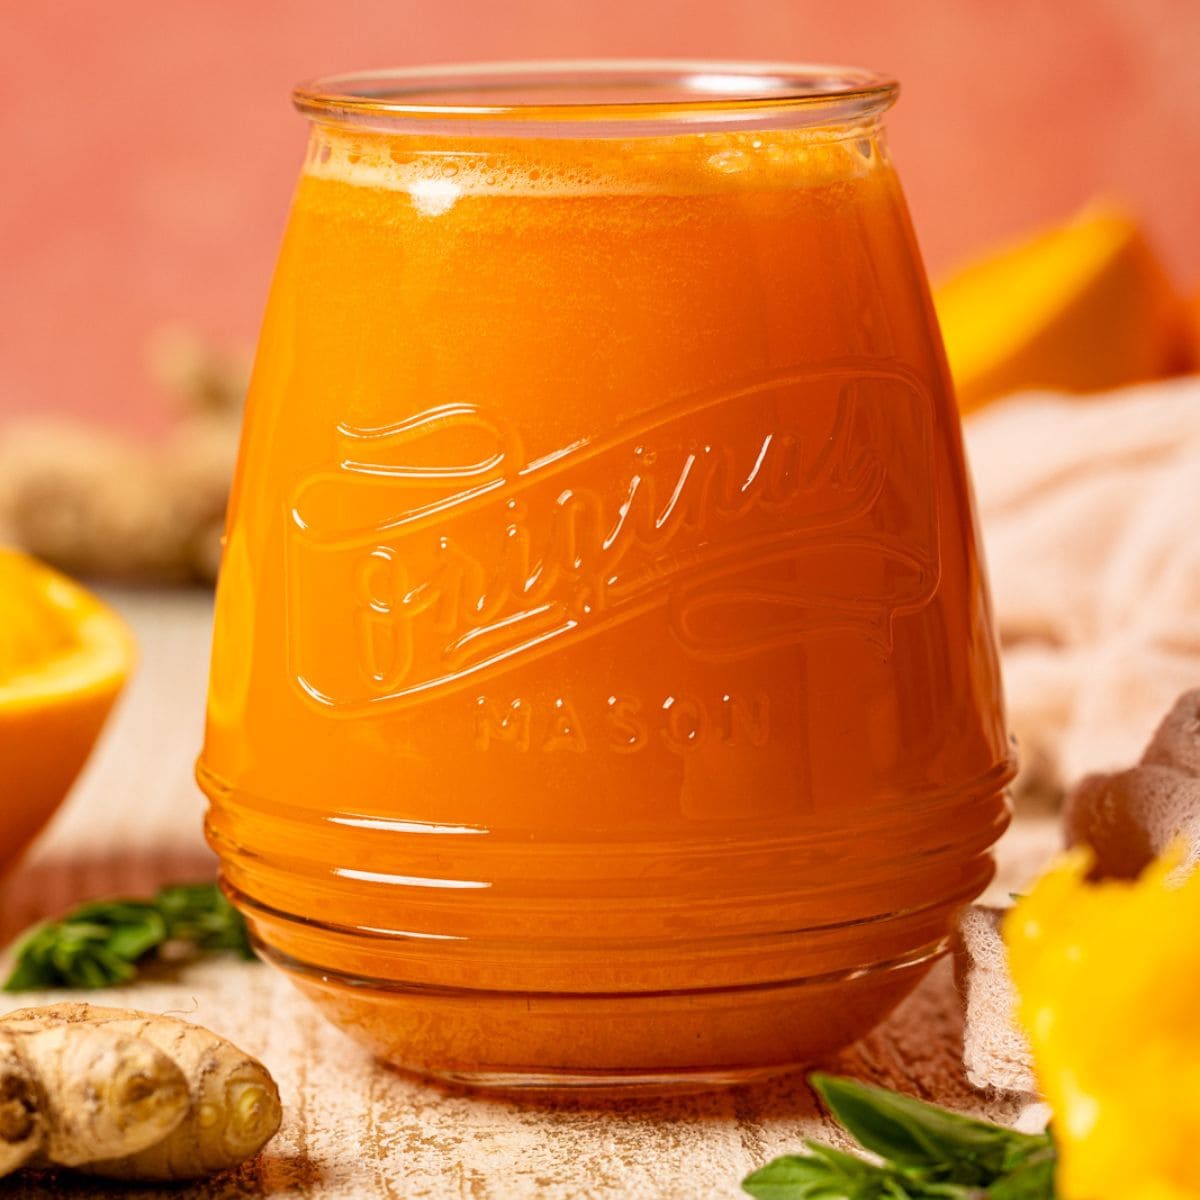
(604, 690)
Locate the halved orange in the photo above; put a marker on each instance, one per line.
(1081, 307)
(64, 657)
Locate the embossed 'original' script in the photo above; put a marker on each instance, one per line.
(459, 556)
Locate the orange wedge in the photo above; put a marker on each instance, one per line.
(1082, 307)
(64, 657)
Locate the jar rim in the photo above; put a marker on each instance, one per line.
(597, 97)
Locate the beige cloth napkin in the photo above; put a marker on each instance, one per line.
(1090, 508)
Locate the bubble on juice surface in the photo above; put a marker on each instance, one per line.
(729, 161)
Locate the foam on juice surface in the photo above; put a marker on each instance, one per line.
(531, 167)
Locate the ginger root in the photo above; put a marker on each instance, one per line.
(94, 502)
(128, 1095)
(91, 1094)
(22, 1122)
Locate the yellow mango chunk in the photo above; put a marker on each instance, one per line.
(1081, 307)
(64, 657)
(1108, 976)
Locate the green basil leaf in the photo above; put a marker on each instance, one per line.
(200, 914)
(910, 1133)
(828, 1174)
(101, 943)
(793, 1177)
(1031, 1179)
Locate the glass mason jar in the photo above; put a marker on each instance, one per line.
(604, 688)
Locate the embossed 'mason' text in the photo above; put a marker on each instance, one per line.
(623, 724)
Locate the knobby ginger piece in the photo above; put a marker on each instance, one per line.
(22, 1122)
(100, 1093)
(232, 1108)
(94, 502)
(200, 377)
(97, 504)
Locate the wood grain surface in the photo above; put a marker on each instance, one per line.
(354, 1129)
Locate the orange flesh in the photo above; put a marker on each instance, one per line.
(601, 614)
(33, 629)
(63, 659)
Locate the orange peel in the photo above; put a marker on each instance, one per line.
(1081, 307)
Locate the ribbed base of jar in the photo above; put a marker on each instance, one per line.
(675, 958)
(616, 1043)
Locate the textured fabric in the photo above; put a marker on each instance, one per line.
(1090, 508)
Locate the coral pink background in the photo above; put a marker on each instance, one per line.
(149, 149)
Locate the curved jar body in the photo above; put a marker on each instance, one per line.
(603, 686)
